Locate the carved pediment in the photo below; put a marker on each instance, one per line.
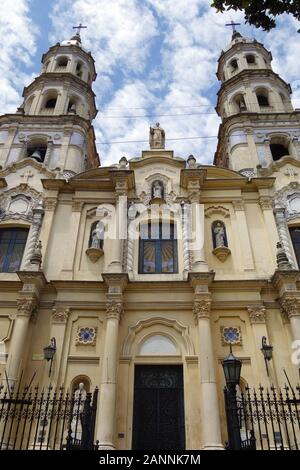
(27, 162)
(17, 203)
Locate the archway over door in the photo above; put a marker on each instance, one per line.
(158, 415)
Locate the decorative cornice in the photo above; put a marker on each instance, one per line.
(60, 315)
(257, 314)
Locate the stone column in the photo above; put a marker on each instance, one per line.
(59, 319)
(185, 219)
(7, 146)
(244, 237)
(285, 282)
(120, 227)
(209, 402)
(50, 204)
(108, 388)
(290, 306)
(283, 232)
(257, 317)
(267, 210)
(27, 303)
(33, 237)
(68, 265)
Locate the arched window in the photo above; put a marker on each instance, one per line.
(72, 106)
(262, 98)
(250, 58)
(158, 344)
(234, 64)
(61, 63)
(37, 150)
(158, 248)
(219, 234)
(79, 69)
(50, 103)
(78, 380)
(240, 103)
(295, 236)
(279, 148)
(12, 245)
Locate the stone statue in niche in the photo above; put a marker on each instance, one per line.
(157, 137)
(78, 408)
(157, 190)
(221, 250)
(219, 235)
(97, 237)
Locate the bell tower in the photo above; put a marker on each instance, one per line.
(54, 124)
(259, 124)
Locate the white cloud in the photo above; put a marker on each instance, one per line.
(17, 46)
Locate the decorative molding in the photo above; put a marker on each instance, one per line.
(172, 324)
(19, 202)
(216, 210)
(60, 315)
(257, 314)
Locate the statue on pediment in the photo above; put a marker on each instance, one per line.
(157, 137)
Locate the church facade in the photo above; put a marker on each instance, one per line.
(145, 272)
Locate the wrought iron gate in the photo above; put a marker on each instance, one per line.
(268, 418)
(49, 419)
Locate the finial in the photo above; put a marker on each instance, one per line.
(235, 33)
(79, 27)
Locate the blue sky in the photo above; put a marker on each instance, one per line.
(156, 61)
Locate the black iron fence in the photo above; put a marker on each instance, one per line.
(266, 418)
(48, 419)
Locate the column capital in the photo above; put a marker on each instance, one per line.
(26, 306)
(123, 181)
(77, 206)
(202, 308)
(116, 282)
(114, 310)
(257, 314)
(265, 203)
(60, 315)
(238, 204)
(290, 305)
(50, 203)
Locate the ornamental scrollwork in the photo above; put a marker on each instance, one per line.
(290, 307)
(60, 315)
(26, 306)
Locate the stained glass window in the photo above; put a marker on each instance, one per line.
(158, 248)
(295, 235)
(12, 245)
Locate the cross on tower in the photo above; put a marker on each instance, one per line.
(233, 25)
(79, 27)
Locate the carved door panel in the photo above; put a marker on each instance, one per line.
(158, 421)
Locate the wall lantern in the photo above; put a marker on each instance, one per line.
(49, 352)
(267, 351)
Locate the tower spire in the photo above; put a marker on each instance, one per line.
(79, 27)
(235, 33)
